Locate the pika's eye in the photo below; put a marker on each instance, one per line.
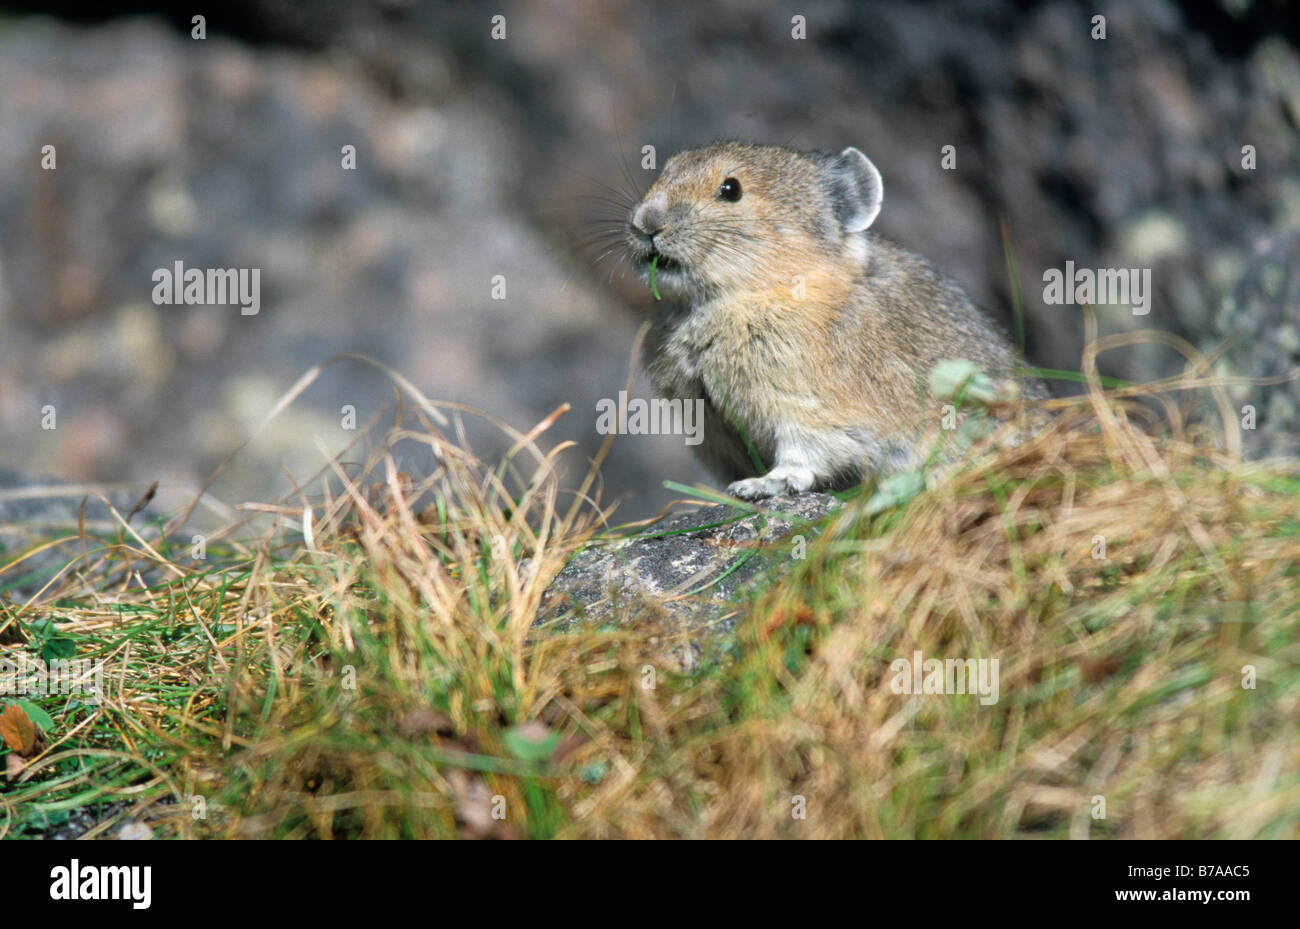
(730, 190)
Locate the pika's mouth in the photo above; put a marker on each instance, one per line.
(662, 262)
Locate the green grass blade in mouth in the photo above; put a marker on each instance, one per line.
(653, 288)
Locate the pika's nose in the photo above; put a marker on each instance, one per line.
(649, 219)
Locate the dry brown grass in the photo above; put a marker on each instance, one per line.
(380, 675)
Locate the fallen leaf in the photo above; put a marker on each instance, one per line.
(17, 729)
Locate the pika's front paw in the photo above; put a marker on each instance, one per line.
(776, 482)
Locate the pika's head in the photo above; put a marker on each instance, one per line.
(734, 216)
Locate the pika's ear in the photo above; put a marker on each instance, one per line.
(856, 190)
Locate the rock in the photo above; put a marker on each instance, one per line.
(686, 569)
(1259, 322)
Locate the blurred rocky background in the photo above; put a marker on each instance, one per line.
(517, 156)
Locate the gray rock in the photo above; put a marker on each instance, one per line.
(1259, 322)
(685, 570)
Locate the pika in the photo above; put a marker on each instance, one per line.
(808, 337)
